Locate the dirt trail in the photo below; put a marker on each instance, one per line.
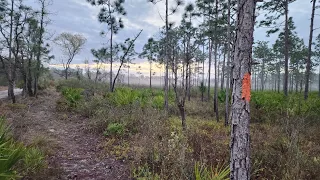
(77, 155)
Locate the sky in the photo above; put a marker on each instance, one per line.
(79, 16)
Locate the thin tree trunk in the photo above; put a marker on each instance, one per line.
(262, 75)
(226, 118)
(150, 75)
(37, 74)
(183, 116)
(66, 74)
(10, 64)
(286, 51)
(279, 77)
(189, 83)
(308, 67)
(129, 75)
(203, 84)
(209, 71)
(297, 83)
(240, 133)
(291, 84)
(166, 103)
(215, 100)
(223, 70)
(11, 91)
(29, 78)
(111, 59)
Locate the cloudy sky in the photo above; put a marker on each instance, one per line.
(78, 16)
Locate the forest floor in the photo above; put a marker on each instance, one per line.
(3, 88)
(72, 151)
(4, 92)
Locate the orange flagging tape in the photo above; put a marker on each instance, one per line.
(246, 87)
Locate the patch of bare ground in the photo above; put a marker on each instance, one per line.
(72, 151)
(3, 88)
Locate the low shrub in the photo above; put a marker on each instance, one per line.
(16, 159)
(72, 95)
(115, 129)
(33, 162)
(96, 88)
(202, 172)
(158, 102)
(10, 152)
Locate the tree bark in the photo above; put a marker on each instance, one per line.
(226, 118)
(209, 71)
(279, 76)
(203, 84)
(11, 66)
(166, 89)
(215, 99)
(308, 67)
(111, 51)
(11, 91)
(189, 84)
(183, 116)
(240, 133)
(262, 75)
(223, 70)
(29, 78)
(150, 83)
(66, 73)
(286, 51)
(37, 74)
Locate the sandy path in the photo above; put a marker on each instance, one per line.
(78, 155)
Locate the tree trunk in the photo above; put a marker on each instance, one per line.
(111, 59)
(11, 91)
(286, 51)
(183, 116)
(279, 77)
(66, 73)
(209, 71)
(226, 118)
(29, 78)
(11, 66)
(291, 82)
(223, 70)
(262, 75)
(240, 133)
(37, 74)
(203, 84)
(308, 67)
(166, 89)
(297, 83)
(189, 84)
(215, 100)
(150, 75)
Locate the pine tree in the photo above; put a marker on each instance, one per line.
(240, 133)
(308, 67)
(108, 14)
(276, 9)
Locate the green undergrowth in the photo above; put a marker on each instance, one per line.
(284, 135)
(17, 160)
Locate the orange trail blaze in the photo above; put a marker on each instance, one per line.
(246, 87)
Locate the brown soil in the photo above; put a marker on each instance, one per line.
(74, 152)
(3, 88)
